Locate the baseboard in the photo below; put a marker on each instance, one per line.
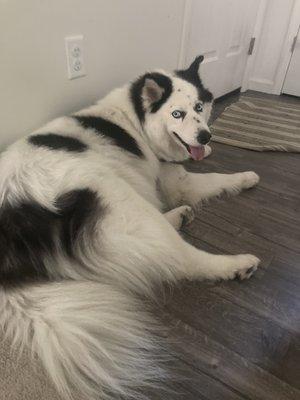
(229, 94)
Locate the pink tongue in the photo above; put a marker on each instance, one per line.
(197, 153)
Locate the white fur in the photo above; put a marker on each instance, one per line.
(91, 333)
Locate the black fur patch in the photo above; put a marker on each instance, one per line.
(192, 76)
(53, 141)
(30, 232)
(107, 128)
(136, 92)
(76, 207)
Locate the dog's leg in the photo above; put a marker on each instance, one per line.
(140, 249)
(180, 216)
(154, 253)
(129, 243)
(211, 266)
(182, 187)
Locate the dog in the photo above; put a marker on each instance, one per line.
(91, 205)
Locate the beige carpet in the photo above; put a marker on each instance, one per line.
(22, 377)
(259, 124)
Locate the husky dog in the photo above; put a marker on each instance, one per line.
(90, 208)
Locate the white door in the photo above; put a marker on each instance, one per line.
(220, 30)
(292, 80)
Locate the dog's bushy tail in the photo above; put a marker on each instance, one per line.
(92, 339)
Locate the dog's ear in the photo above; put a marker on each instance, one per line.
(149, 92)
(194, 67)
(152, 92)
(191, 74)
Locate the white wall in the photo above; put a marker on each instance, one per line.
(122, 38)
(272, 52)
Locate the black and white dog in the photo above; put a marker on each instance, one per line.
(83, 230)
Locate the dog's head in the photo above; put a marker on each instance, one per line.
(174, 110)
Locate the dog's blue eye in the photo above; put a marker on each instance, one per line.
(198, 107)
(177, 114)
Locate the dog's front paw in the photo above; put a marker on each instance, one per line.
(187, 215)
(247, 265)
(249, 179)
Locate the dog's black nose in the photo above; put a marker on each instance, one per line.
(203, 137)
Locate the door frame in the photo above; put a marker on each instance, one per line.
(185, 32)
(287, 53)
(285, 58)
(294, 30)
(260, 17)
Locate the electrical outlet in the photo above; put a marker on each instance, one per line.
(74, 52)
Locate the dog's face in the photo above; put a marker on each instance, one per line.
(174, 110)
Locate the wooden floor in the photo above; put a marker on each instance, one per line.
(241, 340)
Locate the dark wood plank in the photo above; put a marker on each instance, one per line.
(197, 384)
(278, 226)
(244, 242)
(250, 381)
(243, 330)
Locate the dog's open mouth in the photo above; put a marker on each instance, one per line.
(196, 152)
